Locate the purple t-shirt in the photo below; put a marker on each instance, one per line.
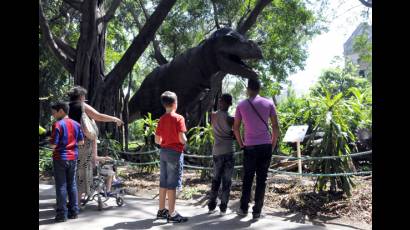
(256, 132)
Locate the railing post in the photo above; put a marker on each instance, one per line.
(299, 160)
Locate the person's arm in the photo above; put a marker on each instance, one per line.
(236, 127)
(213, 114)
(181, 131)
(158, 131)
(94, 114)
(182, 138)
(54, 136)
(158, 139)
(275, 130)
(275, 126)
(237, 132)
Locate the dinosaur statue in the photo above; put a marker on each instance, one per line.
(189, 74)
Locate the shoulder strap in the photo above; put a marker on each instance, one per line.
(260, 117)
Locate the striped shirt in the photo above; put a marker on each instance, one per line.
(66, 134)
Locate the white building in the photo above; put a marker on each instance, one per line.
(348, 51)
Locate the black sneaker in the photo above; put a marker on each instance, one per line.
(256, 215)
(177, 218)
(163, 214)
(241, 212)
(60, 219)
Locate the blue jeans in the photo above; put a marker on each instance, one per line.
(223, 169)
(170, 169)
(65, 182)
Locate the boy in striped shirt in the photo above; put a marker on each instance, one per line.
(66, 135)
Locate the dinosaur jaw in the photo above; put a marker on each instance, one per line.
(233, 64)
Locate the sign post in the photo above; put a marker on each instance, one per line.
(296, 133)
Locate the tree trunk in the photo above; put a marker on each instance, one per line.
(86, 62)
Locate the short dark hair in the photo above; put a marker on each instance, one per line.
(60, 105)
(254, 85)
(76, 92)
(227, 98)
(168, 98)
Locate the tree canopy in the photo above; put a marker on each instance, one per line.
(281, 27)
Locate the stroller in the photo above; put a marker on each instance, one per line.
(98, 187)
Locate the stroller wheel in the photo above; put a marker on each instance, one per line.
(119, 201)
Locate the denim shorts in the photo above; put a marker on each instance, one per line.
(170, 169)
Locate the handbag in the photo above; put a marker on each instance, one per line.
(88, 126)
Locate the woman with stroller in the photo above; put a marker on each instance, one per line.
(87, 157)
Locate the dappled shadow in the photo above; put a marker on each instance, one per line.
(47, 205)
(198, 222)
(46, 214)
(46, 222)
(139, 224)
(206, 221)
(46, 197)
(304, 219)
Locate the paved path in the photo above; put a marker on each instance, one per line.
(139, 213)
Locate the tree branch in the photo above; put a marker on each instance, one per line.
(250, 21)
(139, 44)
(367, 3)
(76, 4)
(68, 50)
(243, 17)
(157, 51)
(49, 40)
(110, 13)
(215, 14)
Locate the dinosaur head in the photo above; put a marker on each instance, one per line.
(231, 48)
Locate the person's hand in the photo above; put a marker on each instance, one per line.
(119, 122)
(94, 161)
(107, 158)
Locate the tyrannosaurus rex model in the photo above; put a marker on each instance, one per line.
(190, 73)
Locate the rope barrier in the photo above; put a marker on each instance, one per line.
(197, 167)
(240, 166)
(136, 153)
(324, 157)
(197, 156)
(139, 164)
(320, 174)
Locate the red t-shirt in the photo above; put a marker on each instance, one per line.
(169, 126)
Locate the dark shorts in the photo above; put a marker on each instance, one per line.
(170, 168)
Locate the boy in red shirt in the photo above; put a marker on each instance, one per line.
(170, 134)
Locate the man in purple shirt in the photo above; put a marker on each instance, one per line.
(255, 113)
